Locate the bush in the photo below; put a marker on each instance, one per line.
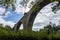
(7, 34)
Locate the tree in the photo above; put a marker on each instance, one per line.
(52, 28)
(1, 26)
(7, 3)
(8, 28)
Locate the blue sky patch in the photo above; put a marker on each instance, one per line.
(15, 17)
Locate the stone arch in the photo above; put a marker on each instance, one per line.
(17, 26)
(28, 18)
(33, 14)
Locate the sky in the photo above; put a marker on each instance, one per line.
(42, 19)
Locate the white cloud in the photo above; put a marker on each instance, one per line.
(2, 21)
(2, 12)
(6, 14)
(21, 9)
(10, 23)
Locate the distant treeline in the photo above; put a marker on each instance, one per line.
(48, 33)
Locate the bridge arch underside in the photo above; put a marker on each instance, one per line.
(32, 18)
(28, 18)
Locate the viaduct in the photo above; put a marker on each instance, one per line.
(28, 19)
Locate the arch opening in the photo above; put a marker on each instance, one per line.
(21, 27)
(45, 16)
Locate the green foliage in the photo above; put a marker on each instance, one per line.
(55, 0)
(57, 35)
(57, 7)
(7, 28)
(8, 3)
(7, 34)
(36, 8)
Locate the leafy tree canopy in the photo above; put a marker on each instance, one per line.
(8, 3)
